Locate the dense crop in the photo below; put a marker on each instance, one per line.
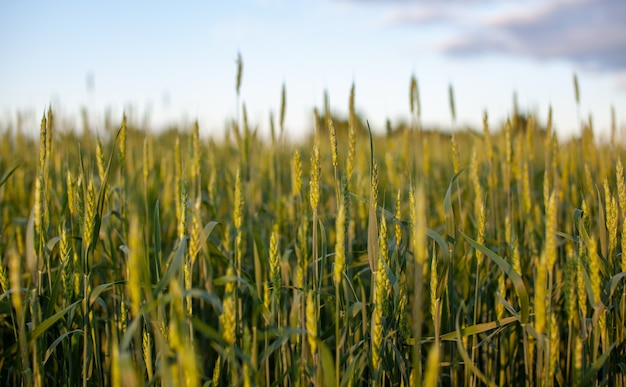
(487, 257)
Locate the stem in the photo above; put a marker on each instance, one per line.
(337, 343)
(86, 330)
(314, 249)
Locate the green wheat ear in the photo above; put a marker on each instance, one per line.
(314, 185)
(4, 280)
(311, 322)
(377, 317)
(227, 318)
(274, 261)
(296, 174)
(239, 73)
(108, 277)
(340, 244)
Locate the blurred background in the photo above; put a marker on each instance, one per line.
(167, 64)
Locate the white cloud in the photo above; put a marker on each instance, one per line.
(589, 33)
(416, 15)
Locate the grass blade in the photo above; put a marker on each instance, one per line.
(466, 358)
(595, 367)
(174, 266)
(447, 208)
(610, 286)
(480, 328)
(328, 363)
(50, 321)
(516, 279)
(372, 230)
(8, 174)
(56, 342)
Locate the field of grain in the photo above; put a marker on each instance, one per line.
(481, 257)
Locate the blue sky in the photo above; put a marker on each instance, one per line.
(174, 63)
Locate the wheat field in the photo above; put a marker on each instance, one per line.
(490, 256)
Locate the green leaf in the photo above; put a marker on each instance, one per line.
(516, 279)
(466, 358)
(400, 364)
(328, 363)
(507, 306)
(100, 202)
(205, 296)
(95, 292)
(447, 207)
(603, 236)
(567, 236)
(434, 235)
(8, 174)
(223, 280)
(134, 325)
(206, 330)
(50, 321)
(54, 292)
(174, 266)
(157, 241)
(52, 242)
(204, 235)
(278, 339)
(532, 332)
(610, 286)
(372, 230)
(350, 375)
(578, 215)
(259, 246)
(135, 322)
(355, 308)
(595, 367)
(479, 328)
(56, 342)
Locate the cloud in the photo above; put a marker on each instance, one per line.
(414, 15)
(591, 33)
(423, 12)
